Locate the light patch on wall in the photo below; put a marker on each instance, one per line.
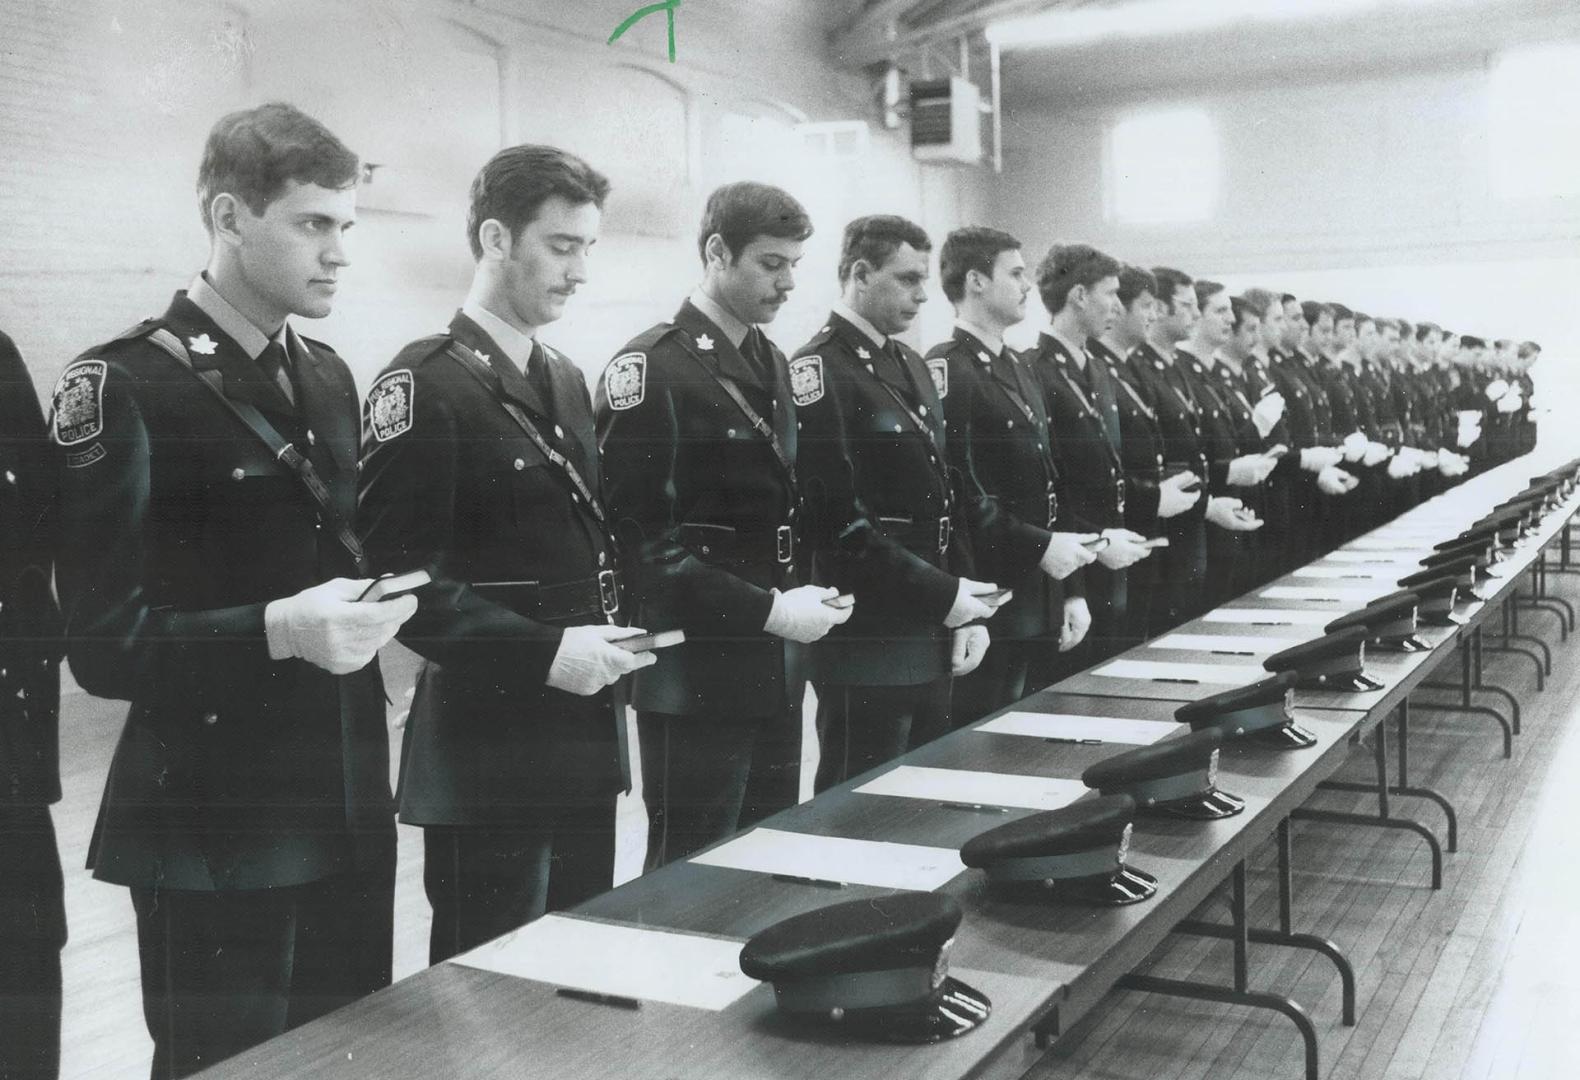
(1161, 166)
(1533, 122)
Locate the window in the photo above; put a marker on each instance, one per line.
(1533, 113)
(1162, 167)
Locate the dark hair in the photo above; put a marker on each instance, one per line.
(1288, 298)
(971, 248)
(1423, 330)
(518, 180)
(875, 238)
(1529, 349)
(1470, 341)
(252, 153)
(1405, 329)
(745, 210)
(1169, 281)
(1242, 309)
(1340, 312)
(1133, 281)
(1503, 343)
(1068, 265)
(1313, 310)
(1205, 291)
(1361, 317)
(1261, 300)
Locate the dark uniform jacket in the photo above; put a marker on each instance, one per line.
(1308, 416)
(707, 512)
(1227, 429)
(1166, 389)
(1086, 435)
(998, 441)
(179, 525)
(1140, 441)
(30, 644)
(452, 483)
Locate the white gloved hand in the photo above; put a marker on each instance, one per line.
(586, 662)
(1509, 402)
(327, 627)
(1173, 500)
(1267, 413)
(1451, 464)
(1469, 428)
(1376, 453)
(970, 644)
(967, 608)
(1124, 549)
(1065, 555)
(1354, 447)
(1251, 470)
(1317, 458)
(1427, 459)
(800, 614)
(1335, 481)
(1401, 467)
(1077, 621)
(1496, 389)
(1227, 513)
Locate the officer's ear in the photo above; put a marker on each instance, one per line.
(224, 213)
(715, 252)
(495, 240)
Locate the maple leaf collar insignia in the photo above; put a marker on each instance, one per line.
(704, 342)
(203, 345)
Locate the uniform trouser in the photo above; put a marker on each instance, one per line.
(224, 971)
(1182, 586)
(32, 932)
(705, 775)
(1231, 562)
(486, 881)
(1108, 597)
(861, 727)
(1002, 678)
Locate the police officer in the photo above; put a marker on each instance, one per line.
(32, 904)
(998, 442)
(1079, 286)
(482, 467)
(210, 576)
(892, 526)
(697, 425)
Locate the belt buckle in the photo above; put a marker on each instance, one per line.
(608, 592)
(1053, 507)
(945, 531)
(784, 543)
(1119, 495)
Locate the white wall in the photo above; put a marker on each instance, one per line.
(105, 104)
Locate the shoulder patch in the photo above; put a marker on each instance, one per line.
(79, 403)
(625, 380)
(389, 407)
(938, 368)
(806, 379)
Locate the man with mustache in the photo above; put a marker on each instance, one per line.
(698, 429)
(482, 468)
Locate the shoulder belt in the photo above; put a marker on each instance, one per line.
(283, 451)
(478, 370)
(764, 428)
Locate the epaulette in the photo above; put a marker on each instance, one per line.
(941, 350)
(415, 353)
(824, 335)
(650, 337)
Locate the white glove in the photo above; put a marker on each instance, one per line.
(1376, 453)
(1251, 470)
(800, 614)
(1469, 427)
(1451, 464)
(1077, 621)
(1124, 549)
(1335, 481)
(1172, 500)
(327, 627)
(1354, 447)
(1065, 555)
(1317, 458)
(586, 662)
(1267, 413)
(1496, 389)
(969, 646)
(1401, 467)
(967, 608)
(1226, 513)
(1427, 458)
(1509, 402)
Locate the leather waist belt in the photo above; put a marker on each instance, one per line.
(594, 597)
(724, 543)
(928, 535)
(1033, 508)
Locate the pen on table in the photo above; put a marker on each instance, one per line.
(978, 807)
(796, 879)
(1271, 624)
(1073, 742)
(598, 999)
(1185, 682)
(1230, 652)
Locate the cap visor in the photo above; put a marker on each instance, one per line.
(1204, 807)
(1283, 737)
(951, 1011)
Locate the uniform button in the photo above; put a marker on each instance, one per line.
(730, 434)
(576, 497)
(520, 464)
(603, 558)
(559, 432)
(312, 440)
(798, 425)
(923, 409)
(10, 477)
(238, 474)
(211, 718)
(1009, 423)
(896, 428)
(706, 549)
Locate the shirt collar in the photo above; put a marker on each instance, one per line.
(233, 323)
(872, 333)
(733, 328)
(994, 342)
(517, 346)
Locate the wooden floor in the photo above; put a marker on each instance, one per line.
(1480, 980)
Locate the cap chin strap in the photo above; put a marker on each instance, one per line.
(1076, 864)
(1167, 789)
(860, 990)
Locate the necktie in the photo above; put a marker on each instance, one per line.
(755, 348)
(538, 376)
(272, 362)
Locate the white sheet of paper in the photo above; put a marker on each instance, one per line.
(627, 961)
(1348, 573)
(1391, 545)
(1227, 674)
(837, 858)
(1346, 594)
(1371, 558)
(1233, 643)
(1107, 729)
(1276, 616)
(969, 787)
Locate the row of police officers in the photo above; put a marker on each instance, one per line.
(922, 538)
